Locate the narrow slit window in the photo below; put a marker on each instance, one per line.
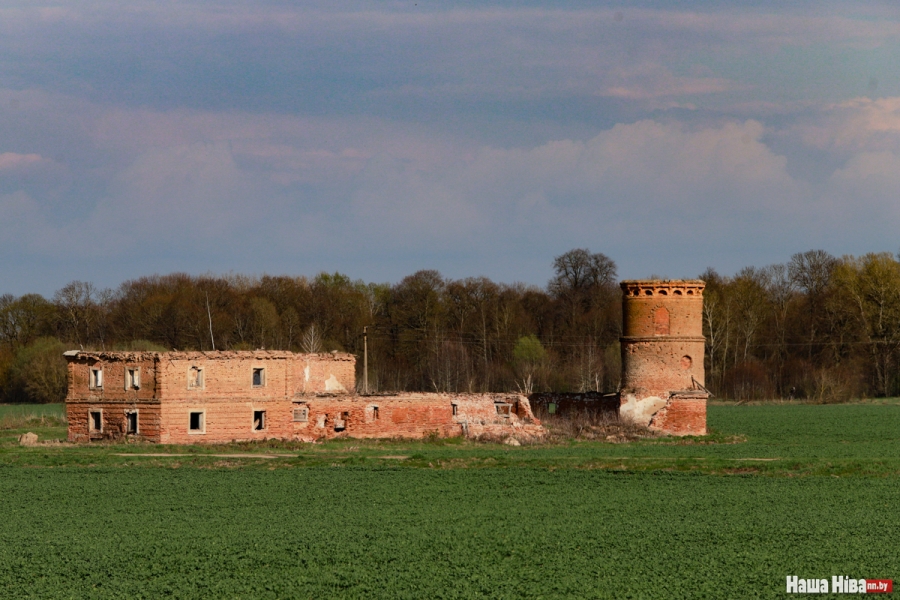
(197, 422)
(551, 408)
(374, 413)
(259, 420)
(95, 420)
(259, 377)
(131, 423)
(455, 409)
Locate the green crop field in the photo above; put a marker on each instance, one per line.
(776, 490)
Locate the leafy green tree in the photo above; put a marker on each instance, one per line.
(530, 358)
(38, 373)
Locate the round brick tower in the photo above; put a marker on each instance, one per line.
(662, 355)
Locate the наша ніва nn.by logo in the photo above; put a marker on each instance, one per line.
(838, 585)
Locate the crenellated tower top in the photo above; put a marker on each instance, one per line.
(672, 288)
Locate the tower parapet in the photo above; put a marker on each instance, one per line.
(662, 355)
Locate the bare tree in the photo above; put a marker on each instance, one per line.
(579, 270)
(811, 271)
(780, 289)
(311, 341)
(76, 303)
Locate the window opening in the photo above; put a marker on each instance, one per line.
(131, 423)
(551, 408)
(341, 422)
(96, 378)
(132, 378)
(503, 409)
(195, 378)
(197, 424)
(375, 413)
(259, 420)
(259, 377)
(301, 414)
(455, 409)
(95, 418)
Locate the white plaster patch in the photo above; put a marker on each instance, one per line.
(641, 411)
(333, 385)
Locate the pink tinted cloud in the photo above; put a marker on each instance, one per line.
(13, 161)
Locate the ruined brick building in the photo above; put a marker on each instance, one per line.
(662, 355)
(216, 397)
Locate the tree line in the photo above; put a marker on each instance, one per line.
(815, 327)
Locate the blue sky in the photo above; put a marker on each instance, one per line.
(476, 138)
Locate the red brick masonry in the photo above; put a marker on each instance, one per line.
(662, 355)
(215, 397)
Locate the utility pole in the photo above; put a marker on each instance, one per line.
(366, 360)
(209, 315)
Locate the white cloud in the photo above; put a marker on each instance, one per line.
(858, 125)
(635, 184)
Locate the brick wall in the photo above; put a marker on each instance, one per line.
(224, 376)
(169, 389)
(224, 420)
(327, 372)
(113, 420)
(682, 416)
(656, 367)
(315, 417)
(113, 398)
(113, 366)
(214, 397)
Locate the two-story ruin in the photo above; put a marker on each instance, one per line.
(217, 397)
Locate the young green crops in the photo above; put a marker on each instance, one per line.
(662, 518)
